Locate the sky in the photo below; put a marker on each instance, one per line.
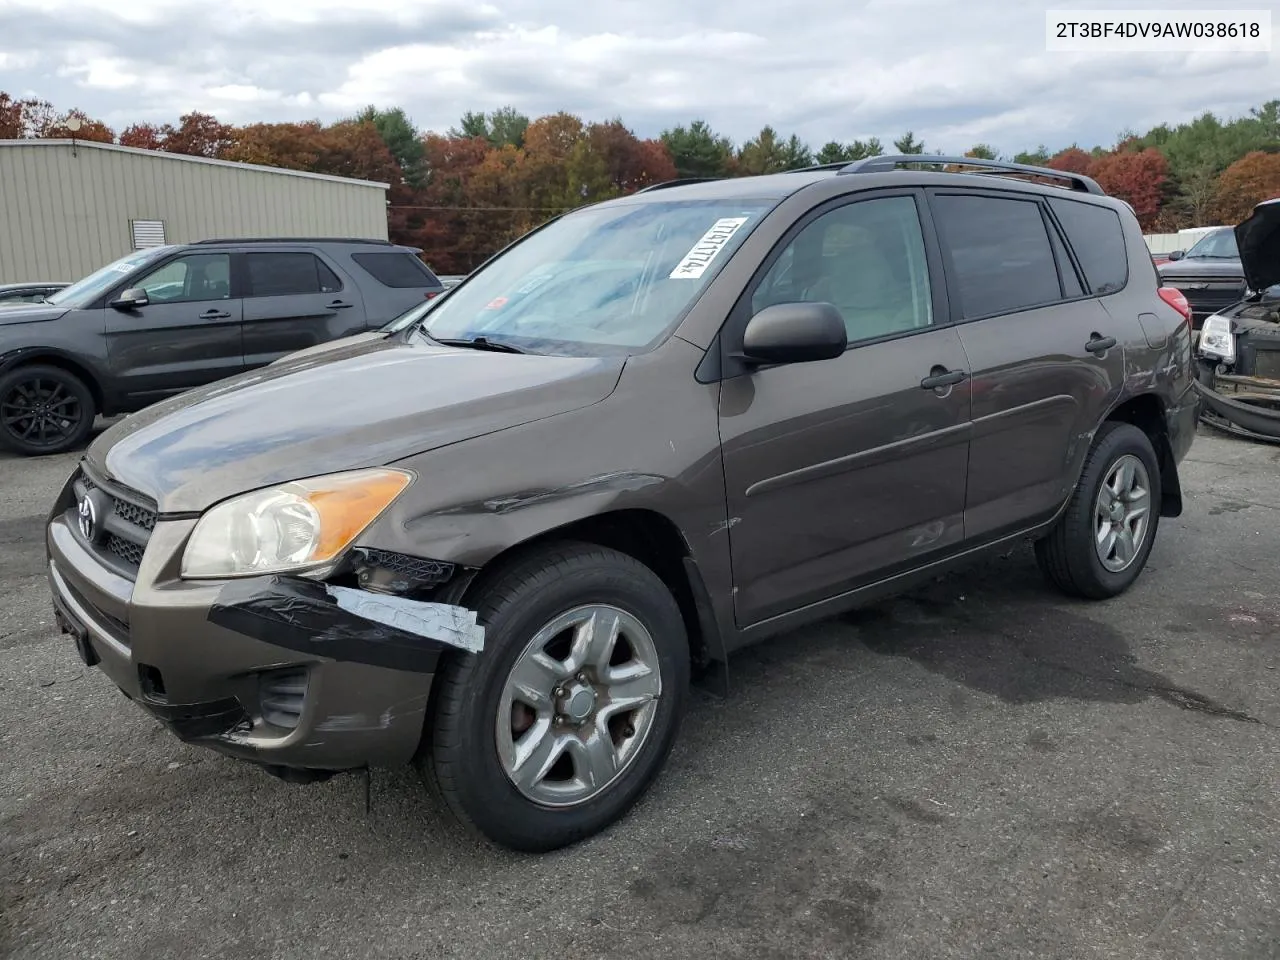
(955, 72)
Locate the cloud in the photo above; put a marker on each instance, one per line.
(953, 72)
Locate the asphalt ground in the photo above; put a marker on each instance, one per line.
(981, 769)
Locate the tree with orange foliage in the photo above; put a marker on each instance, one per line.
(1253, 178)
(144, 136)
(198, 135)
(90, 129)
(24, 118)
(294, 146)
(1137, 177)
(1072, 160)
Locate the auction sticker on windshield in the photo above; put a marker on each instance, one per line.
(694, 263)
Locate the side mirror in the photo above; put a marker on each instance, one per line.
(131, 298)
(794, 333)
(1177, 255)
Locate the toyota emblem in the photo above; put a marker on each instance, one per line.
(88, 518)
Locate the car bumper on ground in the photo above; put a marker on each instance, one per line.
(268, 670)
(1243, 405)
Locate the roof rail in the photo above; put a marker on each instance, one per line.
(677, 183)
(1077, 181)
(814, 168)
(380, 243)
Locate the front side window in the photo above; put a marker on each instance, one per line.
(1000, 253)
(190, 279)
(286, 274)
(600, 281)
(867, 259)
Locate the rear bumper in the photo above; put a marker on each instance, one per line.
(267, 687)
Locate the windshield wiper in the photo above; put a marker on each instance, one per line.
(480, 343)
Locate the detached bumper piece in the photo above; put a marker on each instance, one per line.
(198, 721)
(1251, 409)
(345, 625)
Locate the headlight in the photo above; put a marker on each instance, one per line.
(291, 527)
(1216, 339)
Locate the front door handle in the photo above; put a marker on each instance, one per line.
(1098, 343)
(940, 377)
(214, 315)
(339, 305)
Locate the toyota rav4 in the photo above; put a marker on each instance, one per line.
(499, 542)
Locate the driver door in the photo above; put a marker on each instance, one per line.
(187, 335)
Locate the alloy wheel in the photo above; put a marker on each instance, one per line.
(1122, 513)
(578, 705)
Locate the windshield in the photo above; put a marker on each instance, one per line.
(605, 280)
(1216, 246)
(100, 281)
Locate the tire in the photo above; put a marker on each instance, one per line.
(473, 700)
(1068, 557)
(63, 410)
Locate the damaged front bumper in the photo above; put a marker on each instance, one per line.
(1244, 405)
(283, 671)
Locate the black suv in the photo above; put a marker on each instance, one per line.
(163, 320)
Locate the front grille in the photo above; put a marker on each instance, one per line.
(282, 695)
(130, 553)
(126, 528)
(1266, 364)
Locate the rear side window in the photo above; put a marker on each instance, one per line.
(1000, 254)
(396, 269)
(1097, 237)
(288, 274)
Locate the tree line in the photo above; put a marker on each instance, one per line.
(462, 194)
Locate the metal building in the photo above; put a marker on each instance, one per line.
(69, 207)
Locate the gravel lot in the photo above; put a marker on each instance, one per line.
(978, 770)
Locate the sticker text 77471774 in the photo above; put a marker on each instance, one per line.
(694, 263)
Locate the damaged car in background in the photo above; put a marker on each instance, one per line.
(1238, 356)
(500, 540)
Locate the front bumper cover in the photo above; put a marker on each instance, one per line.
(1246, 406)
(201, 656)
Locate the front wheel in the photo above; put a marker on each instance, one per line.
(44, 410)
(1100, 545)
(561, 723)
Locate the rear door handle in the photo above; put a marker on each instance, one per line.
(940, 377)
(1098, 343)
(339, 305)
(214, 315)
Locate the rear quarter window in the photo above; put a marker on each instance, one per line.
(1097, 237)
(397, 269)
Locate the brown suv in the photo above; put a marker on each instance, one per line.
(653, 431)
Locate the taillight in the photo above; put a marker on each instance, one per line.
(1174, 298)
(432, 294)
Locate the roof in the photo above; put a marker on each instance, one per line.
(879, 171)
(184, 158)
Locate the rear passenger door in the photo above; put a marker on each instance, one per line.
(1044, 362)
(294, 300)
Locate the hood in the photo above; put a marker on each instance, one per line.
(361, 405)
(30, 313)
(329, 346)
(1259, 241)
(1200, 267)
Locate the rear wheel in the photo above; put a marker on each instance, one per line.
(44, 410)
(561, 723)
(1101, 544)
